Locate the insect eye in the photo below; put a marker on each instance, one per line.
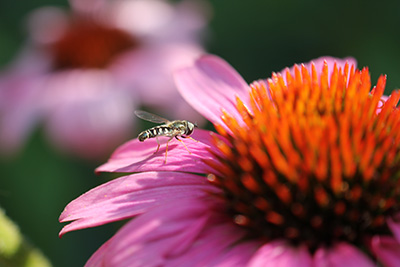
(190, 128)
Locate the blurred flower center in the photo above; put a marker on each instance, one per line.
(316, 159)
(88, 44)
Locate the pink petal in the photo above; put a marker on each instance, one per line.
(92, 128)
(212, 85)
(331, 61)
(135, 156)
(163, 234)
(394, 227)
(278, 253)
(138, 69)
(238, 255)
(341, 254)
(387, 249)
(47, 24)
(88, 112)
(89, 7)
(131, 195)
(213, 243)
(20, 94)
(319, 63)
(96, 260)
(160, 21)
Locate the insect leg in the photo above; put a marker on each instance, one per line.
(190, 138)
(183, 144)
(158, 147)
(166, 150)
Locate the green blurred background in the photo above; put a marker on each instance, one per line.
(255, 36)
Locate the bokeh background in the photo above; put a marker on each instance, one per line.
(257, 37)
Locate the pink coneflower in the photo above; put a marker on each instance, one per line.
(82, 73)
(302, 172)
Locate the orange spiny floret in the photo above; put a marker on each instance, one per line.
(289, 78)
(221, 130)
(315, 80)
(351, 92)
(333, 85)
(321, 165)
(260, 156)
(249, 182)
(281, 82)
(274, 218)
(365, 86)
(336, 170)
(324, 85)
(270, 178)
(223, 147)
(257, 93)
(321, 196)
(244, 112)
(261, 204)
(245, 164)
(298, 77)
(305, 91)
(284, 194)
(366, 156)
(233, 125)
(285, 142)
(349, 166)
(279, 160)
(340, 208)
(218, 168)
(356, 192)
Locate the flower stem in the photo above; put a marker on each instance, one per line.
(14, 249)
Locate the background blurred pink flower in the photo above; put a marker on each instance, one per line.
(253, 194)
(83, 73)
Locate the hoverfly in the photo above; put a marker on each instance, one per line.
(171, 129)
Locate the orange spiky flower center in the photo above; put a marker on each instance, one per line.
(316, 159)
(89, 44)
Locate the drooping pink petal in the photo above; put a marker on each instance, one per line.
(92, 128)
(135, 156)
(160, 21)
(210, 85)
(341, 254)
(166, 233)
(279, 253)
(131, 195)
(88, 112)
(387, 249)
(19, 109)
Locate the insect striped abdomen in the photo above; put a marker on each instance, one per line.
(154, 132)
(143, 136)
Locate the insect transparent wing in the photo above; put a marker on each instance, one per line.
(144, 115)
